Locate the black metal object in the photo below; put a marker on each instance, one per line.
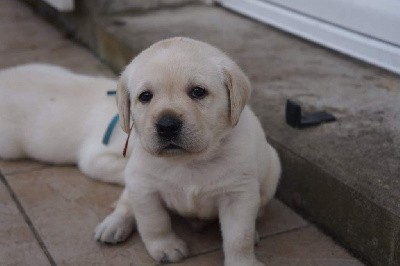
(297, 119)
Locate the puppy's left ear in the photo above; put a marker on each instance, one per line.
(124, 105)
(239, 89)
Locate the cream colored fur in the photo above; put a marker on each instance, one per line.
(52, 115)
(225, 167)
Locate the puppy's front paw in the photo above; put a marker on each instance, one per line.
(114, 228)
(169, 249)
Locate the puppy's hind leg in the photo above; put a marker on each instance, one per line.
(101, 163)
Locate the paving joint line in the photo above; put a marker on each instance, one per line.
(28, 221)
(197, 254)
(284, 232)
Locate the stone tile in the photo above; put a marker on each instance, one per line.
(19, 27)
(18, 166)
(65, 55)
(306, 246)
(16, 237)
(278, 218)
(65, 206)
(10, 8)
(210, 259)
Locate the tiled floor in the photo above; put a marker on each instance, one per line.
(48, 213)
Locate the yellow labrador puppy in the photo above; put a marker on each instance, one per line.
(196, 149)
(50, 114)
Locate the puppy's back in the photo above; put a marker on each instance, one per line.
(41, 111)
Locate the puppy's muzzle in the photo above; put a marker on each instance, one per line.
(168, 127)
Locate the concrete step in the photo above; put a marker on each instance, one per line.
(343, 175)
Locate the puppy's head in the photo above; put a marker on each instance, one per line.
(183, 96)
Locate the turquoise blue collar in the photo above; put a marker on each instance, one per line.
(111, 125)
(110, 128)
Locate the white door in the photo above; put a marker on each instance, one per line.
(365, 29)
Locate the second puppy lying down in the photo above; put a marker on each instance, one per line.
(50, 114)
(197, 149)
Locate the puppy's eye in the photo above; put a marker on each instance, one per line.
(145, 97)
(198, 93)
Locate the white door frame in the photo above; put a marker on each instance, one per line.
(353, 36)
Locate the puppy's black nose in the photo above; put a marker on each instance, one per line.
(168, 127)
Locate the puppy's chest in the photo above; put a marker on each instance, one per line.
(191, 201)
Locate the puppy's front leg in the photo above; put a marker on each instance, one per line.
(117, 226)
(154, 226)
(237, 215)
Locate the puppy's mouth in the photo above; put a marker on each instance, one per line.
(171, 149)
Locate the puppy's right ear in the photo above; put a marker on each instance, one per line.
(124, 105)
